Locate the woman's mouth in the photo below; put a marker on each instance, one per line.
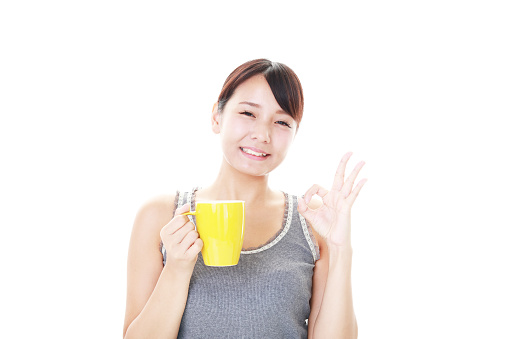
(253, 153)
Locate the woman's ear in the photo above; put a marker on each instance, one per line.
(216, 120)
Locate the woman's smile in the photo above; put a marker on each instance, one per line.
(254, 153)
(254, 138)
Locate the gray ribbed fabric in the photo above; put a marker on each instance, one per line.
(265, 296)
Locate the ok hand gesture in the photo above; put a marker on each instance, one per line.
(332, 219)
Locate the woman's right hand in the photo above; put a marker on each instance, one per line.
(181, 241)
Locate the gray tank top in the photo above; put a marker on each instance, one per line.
(266, 295)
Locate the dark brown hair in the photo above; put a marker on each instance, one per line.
(283, 82)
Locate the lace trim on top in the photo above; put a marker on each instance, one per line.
(308, 233)
(181, 200)
(175, 206)
(287, 221)
(175, 203)
(191, 199)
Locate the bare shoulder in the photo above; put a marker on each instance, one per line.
(153, 215)
(158, 207)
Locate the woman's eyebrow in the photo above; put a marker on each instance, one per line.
(250, 104)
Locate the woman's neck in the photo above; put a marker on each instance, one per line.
(231, 184)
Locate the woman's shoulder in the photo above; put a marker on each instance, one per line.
(156, 211)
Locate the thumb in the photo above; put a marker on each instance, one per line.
(182, 209)
(304, 209)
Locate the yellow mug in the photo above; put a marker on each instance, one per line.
(220, 224)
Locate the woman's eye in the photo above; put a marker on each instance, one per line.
(248, 114)
(284, 123)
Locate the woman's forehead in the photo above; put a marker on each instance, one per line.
(255, 92)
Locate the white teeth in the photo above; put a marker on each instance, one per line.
(248, 151)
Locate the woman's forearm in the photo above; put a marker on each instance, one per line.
(336, 318)
(161, 316)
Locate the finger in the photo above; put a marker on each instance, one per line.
(305, 211)
(182, 209)
(347, 188)
(301, 205)
(180, 234)
(189, 239)
(340, 172)
(174, 225)
(315, 189)
(177, 222)
(351, 198)
(195, 248)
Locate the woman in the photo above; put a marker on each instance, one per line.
(293, 279)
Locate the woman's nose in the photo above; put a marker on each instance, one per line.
(261, 133)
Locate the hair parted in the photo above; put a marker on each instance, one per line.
(283, 82)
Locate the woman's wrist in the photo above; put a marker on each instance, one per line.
(340, 254)
(343, 247)
(177, 274)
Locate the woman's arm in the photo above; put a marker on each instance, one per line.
(332, 314)
(335, 317)
(157, 295)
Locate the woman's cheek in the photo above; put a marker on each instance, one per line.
(283, 138)
(239, 125)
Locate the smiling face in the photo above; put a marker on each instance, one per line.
(255, 132)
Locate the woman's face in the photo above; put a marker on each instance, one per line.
(255, 132)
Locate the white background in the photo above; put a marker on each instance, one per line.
(105, 104)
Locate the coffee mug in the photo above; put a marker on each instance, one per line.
(220, 224)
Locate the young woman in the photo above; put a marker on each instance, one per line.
(293, 279)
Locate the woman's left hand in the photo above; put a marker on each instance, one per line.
(332, 219)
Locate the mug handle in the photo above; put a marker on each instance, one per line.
(189, 213)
